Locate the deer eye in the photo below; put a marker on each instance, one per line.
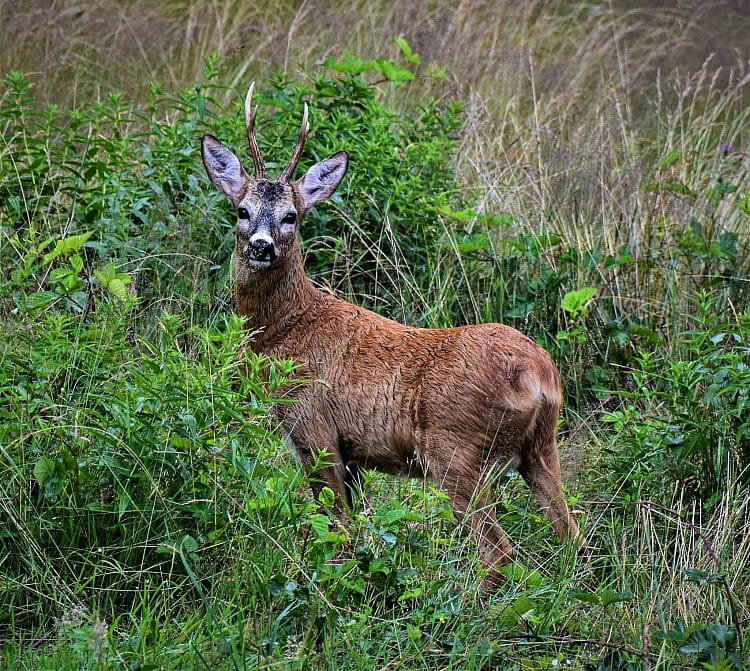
(289, 218)
(242, 213)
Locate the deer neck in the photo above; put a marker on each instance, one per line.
(273, 299)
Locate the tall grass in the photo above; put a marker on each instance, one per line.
(574, 47)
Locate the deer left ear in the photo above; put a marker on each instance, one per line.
(320, 181)
(223, 167)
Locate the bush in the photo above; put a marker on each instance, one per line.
(686, 426)
(135, 446)
(115, 454)
(129, 178)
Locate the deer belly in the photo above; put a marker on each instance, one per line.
(387, 454)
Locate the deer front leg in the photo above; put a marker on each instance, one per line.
(321, 459)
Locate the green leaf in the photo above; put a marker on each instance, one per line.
(473, 243)
(189, 544)
(114, 282)
(513, 571)
(676, 186)
(319, 524)
(123, 503)
(393, 72)
(458, 215)
(58, 274)
(498, 219)
(523, 606)
(180, 442)
(575, 302)
(348, 64)
(608, 596)
(40, 299)
(390, 516)
(728, 243)
(118, 290)
(507, 617)
(326, 496)
(76, 263)
(583, 595)
(437, 72)
(409, 55)
(669, 160)
(722, 189)
(66, 246)
(165, 549)
(44, 470)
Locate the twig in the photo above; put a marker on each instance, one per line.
(643, 655)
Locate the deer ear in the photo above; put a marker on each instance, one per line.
(223, 167)
(320, 181)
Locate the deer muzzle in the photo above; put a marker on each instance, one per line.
(260, 248)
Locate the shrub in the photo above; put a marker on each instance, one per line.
(129, 177)
(135, 446)
(114, 453)
(685, 428)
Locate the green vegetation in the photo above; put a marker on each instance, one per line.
(151, 516)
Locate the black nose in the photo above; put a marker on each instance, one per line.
(263, 250)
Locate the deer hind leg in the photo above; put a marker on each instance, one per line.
(540, 468)
(472, 503)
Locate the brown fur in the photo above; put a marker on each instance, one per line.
(453, 404)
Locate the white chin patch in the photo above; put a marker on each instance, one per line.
(257, 265)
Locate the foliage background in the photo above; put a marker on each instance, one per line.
(577, 170)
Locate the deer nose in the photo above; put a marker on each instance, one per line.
(263, 248)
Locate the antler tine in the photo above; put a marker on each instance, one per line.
(298, 148)
(260, 167)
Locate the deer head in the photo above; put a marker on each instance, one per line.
(268, 212)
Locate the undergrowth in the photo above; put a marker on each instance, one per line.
(151, 516)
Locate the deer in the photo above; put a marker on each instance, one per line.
(454, 404)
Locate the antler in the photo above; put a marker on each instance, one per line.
(303, 131)
(260, 168)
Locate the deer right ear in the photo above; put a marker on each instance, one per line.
(223, 167)
(320, 181)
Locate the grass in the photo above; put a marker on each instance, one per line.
(150, 515)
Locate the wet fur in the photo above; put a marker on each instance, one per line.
(456, 405)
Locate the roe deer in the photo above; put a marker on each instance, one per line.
(452, 404)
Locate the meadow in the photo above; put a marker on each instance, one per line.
(579, 171)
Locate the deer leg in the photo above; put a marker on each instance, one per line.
(472, 502)
(310, 446)
(540, 469)
(331, 477)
